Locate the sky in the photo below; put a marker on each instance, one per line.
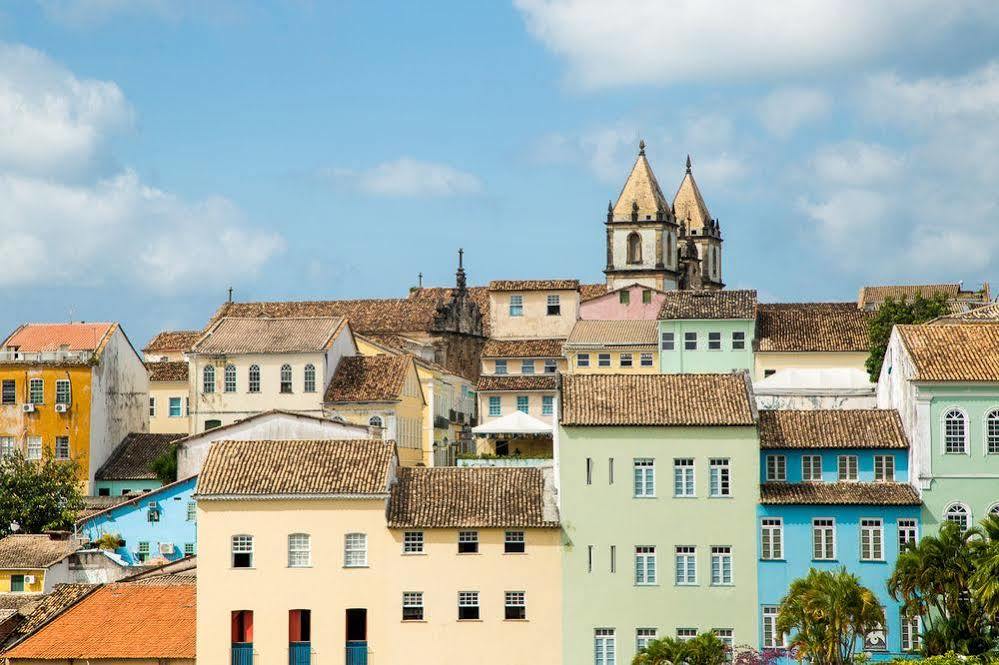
(154, 153)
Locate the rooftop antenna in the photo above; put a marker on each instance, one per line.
(230, 294)
(419, 280)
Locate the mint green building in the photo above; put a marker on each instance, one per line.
(944, 381)
(707, 332)
(658, 492)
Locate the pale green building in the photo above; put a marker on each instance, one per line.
(707, 332)
(658, 491)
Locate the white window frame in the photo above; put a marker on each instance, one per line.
(553, 301)
(644, 474)
(152, 407)
(62, 453)
(990, 437)
(714, 341)
(516, 308)
(355, 550)
(884, 468)
(630, 359)
(684, 556)
(413, 600)
(910, 633)
(966, 450)
(501, 367)
(253, 379)
(604, 646)
(180, 407)
(192, 511)
(965, 510)
(208, 379)
(526, 399)
(33, 447)
(582, 360)
(810, 477)
(667, 341)
(646, 566)
(603, 360)
(469, 599)
(646, 360)
(41, 391)
(547, 405)
(551, 366)
(229, 379)
(690, 341)
(779, 470)
(738, 340)
(720, 482)
(527, 367)
(686, 634)
(872, 539)
(824, 536)
(68, 398)
(286, 377)
(684, 478)
(309, 378)
(515, 538)
(412, 542)
(771, 547)
(721, 557)
(643, 636)
(299, 550)
(468, 537)
(847, 468)
(241, 543)
(514, 599)
(768, 624)
(907, 531)
(491, 401)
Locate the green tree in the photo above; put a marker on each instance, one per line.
(984, 582)
(705, 649)
(893, 312)
(165, 466)
(827, 614)
(38, 494)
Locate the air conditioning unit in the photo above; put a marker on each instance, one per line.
(61, 408)
(28, 408)
(29, 579)
(166, 548)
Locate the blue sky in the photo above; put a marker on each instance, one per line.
(155, 152)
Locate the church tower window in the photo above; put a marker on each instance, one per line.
(634, 248)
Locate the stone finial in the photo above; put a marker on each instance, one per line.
(460, 274)
(688, 163)
(641, 148)
(610, 211)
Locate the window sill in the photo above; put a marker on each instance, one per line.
(294, 567)
(514, 553)
(685, 496)
(242, 568)
(640, 586)
(468, 553)
(413, 621)
(516, 620)
(644, 497)
(873, 561)
(414, 554)
(825, 560)
(722, 585)
(691, 585)
(469, 620)
(781, 560)
(721, 496)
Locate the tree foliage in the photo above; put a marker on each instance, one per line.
(893, 312)
(38, 494)
(705, 649)
(165, 466)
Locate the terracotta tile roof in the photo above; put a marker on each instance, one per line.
(953, 353)
(98, 504)
(262, 468)
(875, 295)
(61, 598)
(34, 337)
(523, 348)
(173, 340)
(812, 327)
(472, 497)
(591, 291)
(657, 399)
(394, 345)
(167, 371)
(131, 459)
(262, 335)
(733, 304)
(641, 189)
(832, 428)
(844, 494)
(437, 294)
(984, 314)
(368, 379)
(118, 622)
(492, 383)
(385, 315)
(614, 333)
(534, 285)
(34, 551)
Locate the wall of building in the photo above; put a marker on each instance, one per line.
(120, 487)
(535, 322)
(160, 420)
(515, 367)
(103, 661)
(610, 308)
(615, 353)
(37, 587)
(508, 404)
(834, 359)
(703, 359)
(830, 457)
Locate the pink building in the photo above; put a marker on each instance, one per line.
(635, 302)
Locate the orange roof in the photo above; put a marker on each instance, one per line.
(33, 337)
(119, 621)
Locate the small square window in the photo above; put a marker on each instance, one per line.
(847, 467)
(412, 606)
(583, 360)
(551, 366)
(738, 340)
(513, 542)
(242, 551)
(603, 360)
(646, 296)
(468, 542)
(647, 360)
(554, 307)
(690, 341)
(189, 549)
(412, 542)
(500, 367)
(523, 403)
(714, 341)
(515, 606)
(624, 297)
(527, 367)
(668, 340)
(468, 605)
(626, 360)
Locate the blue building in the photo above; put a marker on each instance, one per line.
(157, 525)
(834, 492)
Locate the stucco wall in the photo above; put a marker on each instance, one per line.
(610, 308)
(535, 322)
(162, 422)
(705, 360)
(779, 361)
(615, 367)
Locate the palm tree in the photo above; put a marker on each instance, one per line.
(830, 612)
(705, 649)
(984, 581)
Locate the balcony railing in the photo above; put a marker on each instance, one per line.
(357, 653)
(242, 653)
(299, 653)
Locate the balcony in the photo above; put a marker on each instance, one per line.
(357, 653)
(242, 653)
(299, 653)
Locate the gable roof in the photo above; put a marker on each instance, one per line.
(173, 340)
(591, 291)
(875, 295)
(953, 353)
(268, 414)
(657, 400)
(640, 188)
(167, 371)
(832, 428)
(812, 327)
(34, 551)
(473, 497)
(131, 459)
(268, 469)
(38, 611)
(493, 383)
(523, 348)
(128, 500)
(635, 332)
(534, 285)
(984, 314)
(843, 494)
(264, 335)
(366, 316)
(40, 337)
(734, 304)
(688, 204)
(369, 379)
(396, 345)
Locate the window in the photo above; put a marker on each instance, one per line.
(412, 542)
(958, 514)
(686, 565)
(468, 605)
(152, 407)
(285, 378)
(309, 378)
(690, 341)
(624, 297)
(645, 477)
(189, 549)
(727, 636)
(242, 632)
(468, 542)
(34, 448)
(212, 423)
(355, 550)
(776, 468)
(643, 636)
(686, 634)
(499, 367)
(875, 640)
(646, 360)
(714, 341)
(604, 647)
(906, 532)
(823, 539)
(229, 384)
(36, 391)
(721, 565)
(991, 432)
(613, 558)
(634, 248)
(771, 638)
(375, 421)
(513, 542)
(603, 360)
(955, 433)
(771, 538)
(769, 372)
(589, 470)
(646, 296)
(494, 405)
(516, 305)
(847, 465)
(522, 403)
(299, 550)
(683, 477)
(994, 509)
(589, 558)
(872, 540)
(911, 638)
(554, 306)
(627, 360)
(645, 565)
(551, 366)
(610, 470)
(254, 379)
(547, 405)
(515, 606)
(8, 395)
(667, 341)
(192, 511)
(884, 468)
(527, 367)
(811, 467)
(412, 606)
(62, 447)
(583, 360)
(242, 551)
(143, 552)
(208, 379)
(175, 411)
(738, 340)
(62, 391)
(721, 482)
(8, 445)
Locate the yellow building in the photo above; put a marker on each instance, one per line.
(613, 347)
(811, 336)
(72, 391)
(169, 392)
(532, 308)
(34, 563)
(383, 392)
(170, 345)
(320, 548)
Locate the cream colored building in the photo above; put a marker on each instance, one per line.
(613, 347)
(533, 309)
(169, 392)
(170, 345)
(391, 565)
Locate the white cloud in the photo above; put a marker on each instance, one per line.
(407, 177)
(931, 100)
(654, 42)
(785, 110)
(856, 163)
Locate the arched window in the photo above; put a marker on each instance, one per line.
(994, 509)
(992, 432)
(286, 378)
(959, 515)
(375, 421)
(230, 378)
(634, 248)
(254, 378)
(955, 426)
(208, 379)
(669, 249)
(310, 378)
(299, 550)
